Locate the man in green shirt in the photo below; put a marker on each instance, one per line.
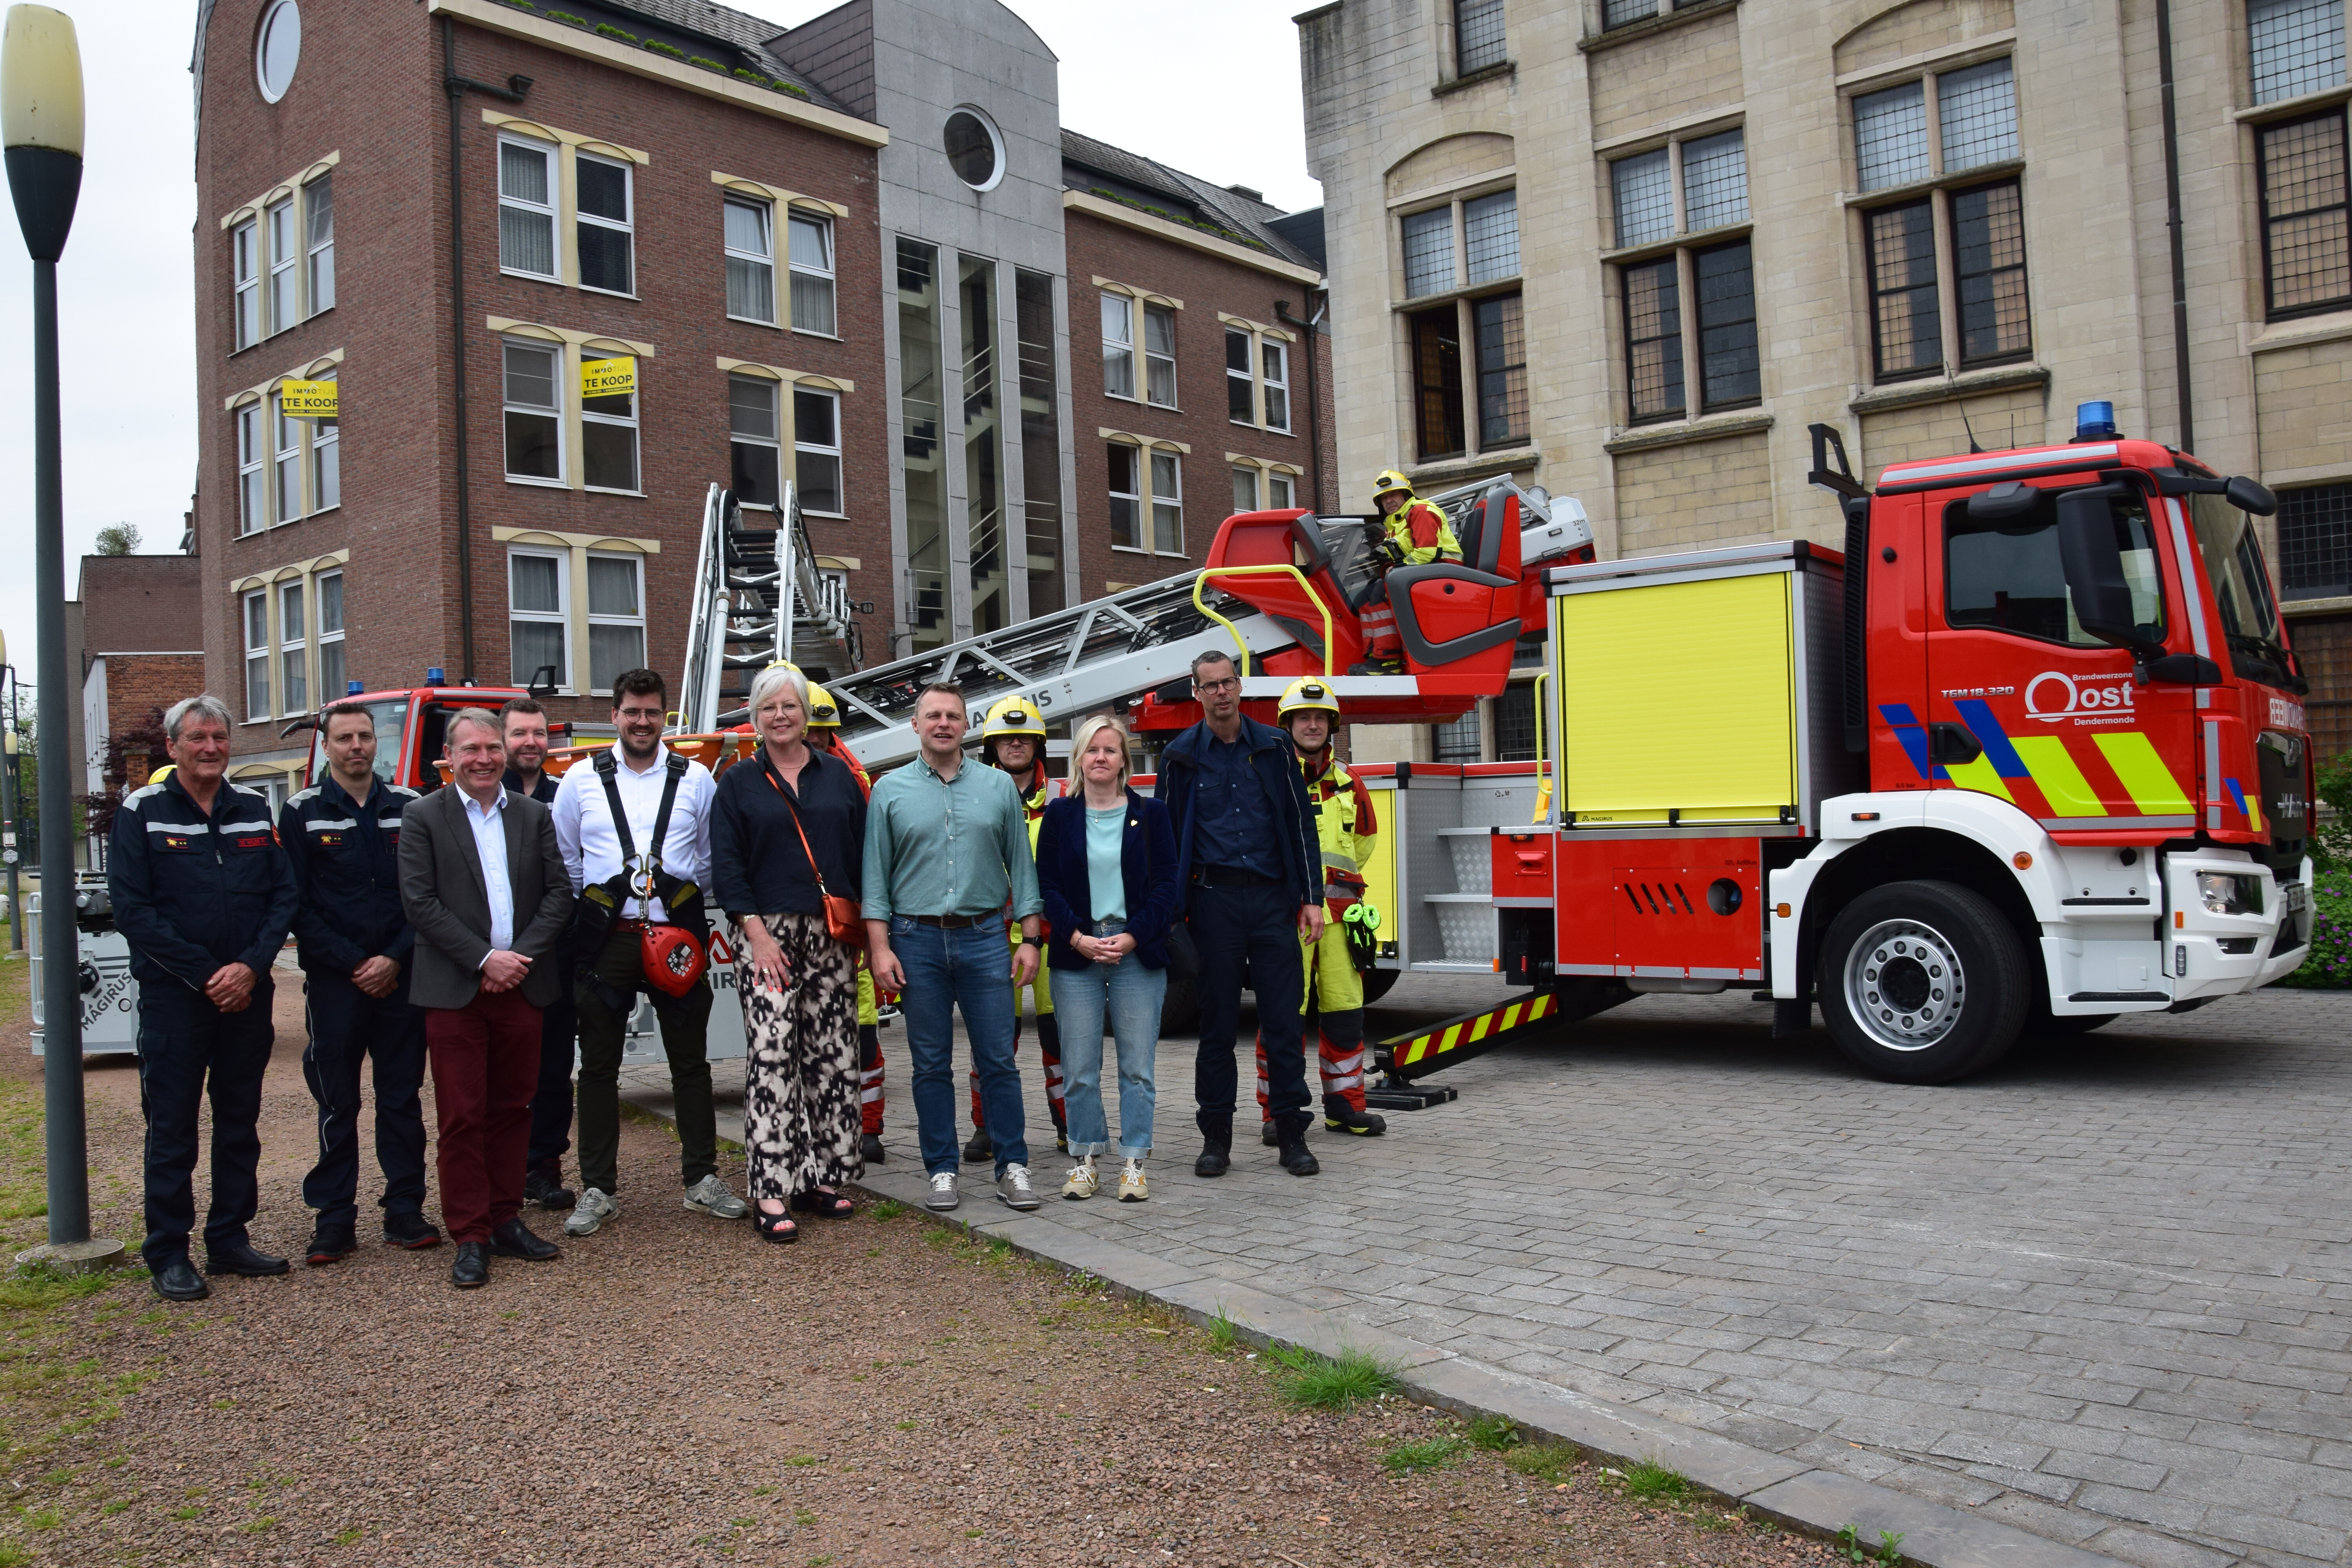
(946, 853)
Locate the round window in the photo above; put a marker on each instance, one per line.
(279, 48)
(976, 151)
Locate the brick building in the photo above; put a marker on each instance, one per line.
(1632, 249)
(812, 246)
(143, 649)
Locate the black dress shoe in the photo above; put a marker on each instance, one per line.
(1295, 1158)
(410, 1230)
(514, 1239)
(1215, 1160)
(330, 1244)
(547, 1191)
(979, 1150)
(471, 1270)
(869, 1149)
(242, 1258)
(179, 1281)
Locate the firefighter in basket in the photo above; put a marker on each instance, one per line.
(1013, 737)
(824, 734)
(1413, 533)
(1345, 829)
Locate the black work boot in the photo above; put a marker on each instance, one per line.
(1267, 1135)
(544, 1184)
(1295, 1159)
(980, 1151)
(869, 1148)
(1341, 1116)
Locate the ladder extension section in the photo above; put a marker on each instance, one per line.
(735, 629)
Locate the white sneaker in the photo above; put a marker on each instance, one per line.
(594, 1208)
(943, 1191)
(1081, 1182)
(1132, 1187)
(1014, 1190)
(712, 1196)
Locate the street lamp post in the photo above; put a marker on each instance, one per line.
(9, 826)
(41, 131)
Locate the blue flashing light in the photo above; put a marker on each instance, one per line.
(435, 675)
(353, 687)
(2095, 422)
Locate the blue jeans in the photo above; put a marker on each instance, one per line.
(969, 969)
(1131, 994)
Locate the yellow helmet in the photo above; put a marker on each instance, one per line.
(160, 774)
(1390, 480)
(1015, 715)
(824, 713)
(1312, 694)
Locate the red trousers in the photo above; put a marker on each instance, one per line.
(485, 1059)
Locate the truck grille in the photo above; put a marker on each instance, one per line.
(2287, 810)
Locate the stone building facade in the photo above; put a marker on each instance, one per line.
(1630, 249)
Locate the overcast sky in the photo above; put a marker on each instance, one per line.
(1223, 105)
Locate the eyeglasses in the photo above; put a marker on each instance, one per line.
(1230, 683)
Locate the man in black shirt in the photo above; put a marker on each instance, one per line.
(343, 837)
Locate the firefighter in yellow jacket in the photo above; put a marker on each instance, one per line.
(1345, 828)
(1415, 532)
(1012, 738)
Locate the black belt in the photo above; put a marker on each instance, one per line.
(951, 922)
(1230, 877)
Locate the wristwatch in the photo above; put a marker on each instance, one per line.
(1030, 942)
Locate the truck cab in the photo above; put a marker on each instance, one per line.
(409, 725)
(2066, 675)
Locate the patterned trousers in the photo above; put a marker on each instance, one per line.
(801, 1067)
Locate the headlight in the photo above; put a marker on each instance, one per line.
(2225, 894)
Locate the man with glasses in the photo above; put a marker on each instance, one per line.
(1246, 850)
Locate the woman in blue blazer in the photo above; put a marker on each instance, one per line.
(1106, 867)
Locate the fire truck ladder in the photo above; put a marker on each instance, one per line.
(1404, 1058)
(736, 629)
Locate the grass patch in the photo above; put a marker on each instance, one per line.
(888, 1208)
(1888, 1554)
(1222, 1335)
(1496, 1434)
(1547, 1462)
(1414, 1459)
(1646, 1480)
(1313, 1381)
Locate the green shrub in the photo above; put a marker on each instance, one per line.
(705, 61)
(524, 5)
(754, 77)
(1646, 1480)
(567, 17)
(2331, 843)
(606, 30)
(672, 50)
(1496, 1434)
(2329, 964)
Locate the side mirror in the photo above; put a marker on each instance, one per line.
(543, 682)
(2247, 496)
(2095, 568)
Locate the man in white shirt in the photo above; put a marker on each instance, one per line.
(623, 859)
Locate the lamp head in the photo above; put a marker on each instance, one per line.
(41, 123)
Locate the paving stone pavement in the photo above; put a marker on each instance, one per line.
(2099, 1293)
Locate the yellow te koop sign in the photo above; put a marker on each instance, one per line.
(309, 399)
(609, 377)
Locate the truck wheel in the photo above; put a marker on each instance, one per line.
(1379, 982)
(1179, 1008)
(1923, 982)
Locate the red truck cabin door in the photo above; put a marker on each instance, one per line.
(2023, 703)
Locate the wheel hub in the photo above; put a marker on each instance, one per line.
(1904, 985)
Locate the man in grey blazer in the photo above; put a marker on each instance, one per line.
(483, 883)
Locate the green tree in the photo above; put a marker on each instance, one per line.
(118, 538)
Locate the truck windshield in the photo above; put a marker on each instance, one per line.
(2241, 589)
(391, 715)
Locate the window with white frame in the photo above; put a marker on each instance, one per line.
(244, 268)
(293, 651)
(527, 207)
(1241, 384)
(318, 240)
(1167, 504)
(816, 450)
(1160, 356)
(534, 411)
(1274, 361)
(616, 617)
(811, 247)
(326, 459)
(334, 672)
(1279, 494)
(1245, 488)
(756, 455)
(1125, 498)
(252, 504)
(1119, 346)
(277, 223)
(751, 261)
(608, 440)
(256, 654)
(538, 626)
(286, 462)
(607, 231)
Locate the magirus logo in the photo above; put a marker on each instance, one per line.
(2053, 697)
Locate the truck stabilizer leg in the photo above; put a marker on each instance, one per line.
(1406, 1058)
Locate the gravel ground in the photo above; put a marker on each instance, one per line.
(673, 1391)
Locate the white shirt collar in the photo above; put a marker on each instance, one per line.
(661, 760)
(497, 804)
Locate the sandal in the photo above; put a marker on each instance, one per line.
(823, 1203)
(776, 1228)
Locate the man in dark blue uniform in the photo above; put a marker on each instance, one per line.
(204, 896)
(343, 837)
(523, 724)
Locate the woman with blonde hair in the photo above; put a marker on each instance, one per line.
(1107, 868)
(787, 828)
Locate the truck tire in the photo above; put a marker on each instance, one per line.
(1379, 982)
(1179, 1008)
(1923, 982)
